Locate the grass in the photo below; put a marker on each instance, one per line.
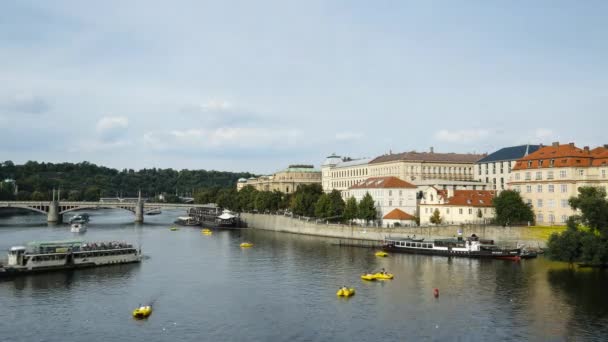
(543, 232)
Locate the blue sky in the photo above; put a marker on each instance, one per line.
(256, 85)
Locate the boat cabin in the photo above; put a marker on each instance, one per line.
(16, 256)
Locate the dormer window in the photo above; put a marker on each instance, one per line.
(540, 163)
(552, 162)
(529, 163)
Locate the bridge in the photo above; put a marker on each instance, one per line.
(55, 209)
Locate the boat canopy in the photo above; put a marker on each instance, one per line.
(185, 218)
(55, 243)
(226, 216)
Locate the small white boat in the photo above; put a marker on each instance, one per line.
(78, 228)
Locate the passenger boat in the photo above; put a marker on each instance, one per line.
(78, 228)
(471, 247)
(187, 221)
(62, 255)
(216, 217)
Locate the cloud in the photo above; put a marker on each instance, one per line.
(248, 138)
(348, 136)
(111, 128)
(462, 136)
(24, 104)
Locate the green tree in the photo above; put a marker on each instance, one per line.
(38, 196)
(351, 210)
(228, 199)
(305, 199)
(367, 208)
(23, 195)
(511, 209)
(74, 195)
(335, 209)
(322, 207)
(586, 239)
(436, 217)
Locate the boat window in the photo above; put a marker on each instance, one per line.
(417, 245)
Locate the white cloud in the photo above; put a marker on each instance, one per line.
(348, 136)
(462, 136)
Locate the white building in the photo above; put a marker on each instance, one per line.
(495, 168)
(456, 206)
(389, 193)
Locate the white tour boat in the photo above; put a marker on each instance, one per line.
(78, 228)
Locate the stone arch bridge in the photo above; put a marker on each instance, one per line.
(55, 209)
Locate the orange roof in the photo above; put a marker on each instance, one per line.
(383, 182)
(397, 214)
(469, 198)
(566, 155)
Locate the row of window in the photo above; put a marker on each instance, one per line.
(538, 175)
(485, 168)
(540, 187)
(447, 210)
(349, 173)
(414, 244)
(551, 218)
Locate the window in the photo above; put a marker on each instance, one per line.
(517, 188)
(551, 203)
(564, 218)
(551, 188)
(528, 176)
(528, 188)
(539, 218)
(539, 188)
(551, 218)
(390, 192)
(550, 175)
(581, 172)
(447, 210)
(563, 174)
(390, 203)
(460, 211)
(400, 192)
(529, 163)
(552, 162)
(529, 202)
(517, 176)
(470, 211)
(539, 203)
(539, 175)
(564, 203)
(603, 173)
(564, 187)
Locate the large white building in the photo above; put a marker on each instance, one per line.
(495, 168)
(419, 168)
(389, 193)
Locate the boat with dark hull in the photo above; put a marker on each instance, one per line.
(212, 216)
(470, 247)
(64, 255)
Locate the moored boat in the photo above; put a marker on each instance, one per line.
(187, 221)
(471, 247)
(62, 255)
(81, 218)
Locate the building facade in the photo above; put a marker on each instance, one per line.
(389, 193)
(547, 178)
(286, 181)
(419, 168)
(495, 168)
(456, 206)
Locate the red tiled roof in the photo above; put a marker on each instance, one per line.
(397, 214)
(429, 157)
(566, 155)
(469, 198)
(383, 182)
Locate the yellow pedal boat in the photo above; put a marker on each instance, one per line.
(173, 228)
(381, 254)
(344, 292)
(142, 312)
(384, 276)
(368, 276)
(246, 244)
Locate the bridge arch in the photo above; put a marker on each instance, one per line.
(74, 208)
(38, 209)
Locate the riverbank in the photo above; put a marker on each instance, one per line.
(530, 236)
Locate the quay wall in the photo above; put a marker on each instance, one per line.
(529, 236)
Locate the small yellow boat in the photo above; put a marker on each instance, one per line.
(383, 276)
(142, 312)
(368, 276)
(206, 230)
(381, 254)
(345, 292)
(173, 228)
(246, 244)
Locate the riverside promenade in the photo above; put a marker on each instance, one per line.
(529, 236)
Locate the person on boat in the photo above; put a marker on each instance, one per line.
(383, 271)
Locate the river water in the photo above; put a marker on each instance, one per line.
(206, 288)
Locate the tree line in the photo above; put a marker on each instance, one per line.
(88, 182)
(308, 200)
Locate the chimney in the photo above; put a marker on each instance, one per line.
(555, 144)
(432, 149)
(605, 145)
(541, 146)
(586, 148)
(571, 144)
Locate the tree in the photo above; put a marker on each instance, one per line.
(322, 206)
(351, 209)
(305, 199)
(336, 205)
(246, 198)
(38, 196)
(586, 239)
(511, 209)
(367, 208)
(436, 217)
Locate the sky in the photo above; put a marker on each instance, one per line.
(257, 85)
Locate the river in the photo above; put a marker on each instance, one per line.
(206, 288)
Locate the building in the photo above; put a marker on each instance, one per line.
(339, 173)
(286, 181)
(495, 168)
(456, 206)
(398, 217)
(547, 178)
(389, 193)
(419, 168)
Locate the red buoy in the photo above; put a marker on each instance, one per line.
(436, 293)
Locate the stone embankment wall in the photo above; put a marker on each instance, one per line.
(530, 236)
